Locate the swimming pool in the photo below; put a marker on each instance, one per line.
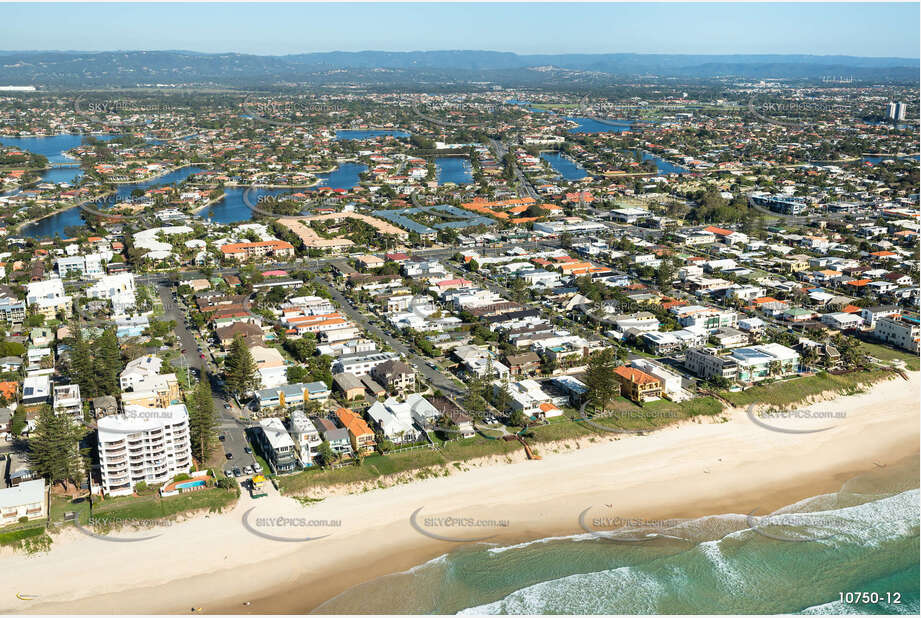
(188, 484)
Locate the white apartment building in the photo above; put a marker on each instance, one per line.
(708, 318)
(900, 331)
(361, 363)
(149, 445)
(310, 305)
(81, 265)
(118, 288)
(48, 297)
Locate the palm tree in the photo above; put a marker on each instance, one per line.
(775, 368)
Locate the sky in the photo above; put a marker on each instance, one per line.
(857, 29)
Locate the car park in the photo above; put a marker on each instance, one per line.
(237, 472)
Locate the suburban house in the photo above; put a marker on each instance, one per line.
(395, 375)
(360, 435)
(276, 445)
(338, 438)
(349, 385)
(26, 499)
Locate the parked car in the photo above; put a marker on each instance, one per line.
(257, 466)
(248, 470)
(229, 455)
(237, 472)
(247, 450)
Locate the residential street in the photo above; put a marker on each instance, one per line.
(230, 424)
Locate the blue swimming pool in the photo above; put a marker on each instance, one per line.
(189, 484)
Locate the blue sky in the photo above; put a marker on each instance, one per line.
(857, 29)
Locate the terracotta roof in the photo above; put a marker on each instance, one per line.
(635, 375)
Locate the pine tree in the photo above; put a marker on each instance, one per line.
(107, 363)
(241, 368)
(202, 419)
(54, 448)
(600, 380)
(81, 365)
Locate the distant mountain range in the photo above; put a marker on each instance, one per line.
(128, 68)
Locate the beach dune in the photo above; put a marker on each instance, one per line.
(258, 554)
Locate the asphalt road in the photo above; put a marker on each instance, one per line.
(436, 378)
(229, 423)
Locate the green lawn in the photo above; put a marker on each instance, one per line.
(376, 466)
(15, 538)
(153, 507)
(787, 392)
(885, 353)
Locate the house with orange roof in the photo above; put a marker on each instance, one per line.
(638, 385)
(360, 434)
(8, 391)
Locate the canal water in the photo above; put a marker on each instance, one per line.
(590, 125)
(663, 166)
(564, 166)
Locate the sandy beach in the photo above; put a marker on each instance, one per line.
(217, 562)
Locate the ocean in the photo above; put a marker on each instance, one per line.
(800, 559)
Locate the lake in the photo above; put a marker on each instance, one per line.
(454, 169)
(564, 166)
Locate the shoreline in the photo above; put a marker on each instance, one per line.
(702, 467)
